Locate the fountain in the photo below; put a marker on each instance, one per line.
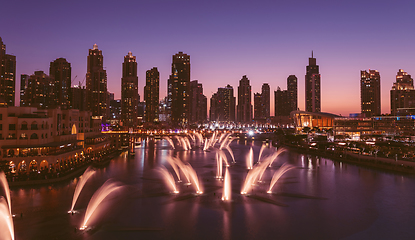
(218, 166)
(106, 189)
(6, 220)
(173, 164)
(250, 159)
(260, 152)
(82, 180)
(5, 185)
(193, 176)
(226, 194)
(170, 141)
(168, 178)
(283, 169)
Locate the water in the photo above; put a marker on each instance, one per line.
(321, 199)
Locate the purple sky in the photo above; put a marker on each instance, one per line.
(265, 40)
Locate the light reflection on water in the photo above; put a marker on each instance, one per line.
(360, 203)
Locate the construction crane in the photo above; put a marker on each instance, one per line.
(73, 79)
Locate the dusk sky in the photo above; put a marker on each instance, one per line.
(265, 40)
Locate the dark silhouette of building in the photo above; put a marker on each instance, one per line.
(79, 98)
(152, 95)
(258, 107)
(244, 108)
(265, 96)
(129, 91)
(402, 93)
(292, 83)
(198, 103)
(178, 89)
(285, 101)
(222, 105)
(24, 79)
(7, 76)
(96, 84)
(39, 92)
(370, 93)
(312, 86)
(60, 70)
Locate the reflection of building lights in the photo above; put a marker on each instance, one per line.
(342, 143)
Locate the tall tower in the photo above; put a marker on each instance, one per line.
(24, 80)
(222, 105)
(402, 93)
(96, 84)
(244, 109)
(292, 92)
(312, 86)
(179, 88)
(129, 91)
(60, 70)
(39, 91)
(151, 95)
(265, 101)
(370, 93)
(7, 76)
(198, 103)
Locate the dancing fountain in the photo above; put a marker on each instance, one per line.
(250, 159)
(5, 185)
(219, 166)
(170, 141)
(105, 190)
(260, 152)
(82, 180)
(6, 221)
(226, 194)
(168, 178)
(283, 169)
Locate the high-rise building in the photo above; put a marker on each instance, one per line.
(39, 92)
(312, 86)
(24, 79)
(78, 97)
(265, 96)
(198, 103)
(292, 91)
(222, 105)
(60, 70)
(282, 102)
(178, 89)
(402, 93)
(244, 108)
(151, 95)
(129, 91)
(96, 84)
(258, 107)
(370, 93)
(7, 76)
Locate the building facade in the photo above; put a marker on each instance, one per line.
(244, 108)
(292, 83)
(178, 89)
(312, 86)
(402, 95)
(198, 103)
(152, 95)
(370, 93)
(129, 91)
(39, 91)
(222, 105)
(60, 71)
(96, 84)
(7, 76)
(24, 80)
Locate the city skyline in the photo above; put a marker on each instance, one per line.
(224, 49)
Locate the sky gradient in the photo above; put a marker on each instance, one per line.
(265, 40)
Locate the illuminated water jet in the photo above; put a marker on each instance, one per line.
(260, 152)
(81, 183)
(173, 164)
(109, 187)
(250, 159)
(194, 178)
(5, 185)
(226, 194)
(6, 221)
(170, 141)
(277, 175)
(168, 178)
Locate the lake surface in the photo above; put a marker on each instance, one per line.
(320, 199)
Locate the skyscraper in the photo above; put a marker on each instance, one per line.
(60, 70)
(24, 80)
(198, 103)
(292, 92)
(96, 83)
(151, 95)
(370, 93)
(282, 102)
(222, 105)
(7, 76)
(178, 89)
(265, 96)
(39, 92)
(258, 107)
(244, 108)
(312, 86)
(402, 94)
(129, 91)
